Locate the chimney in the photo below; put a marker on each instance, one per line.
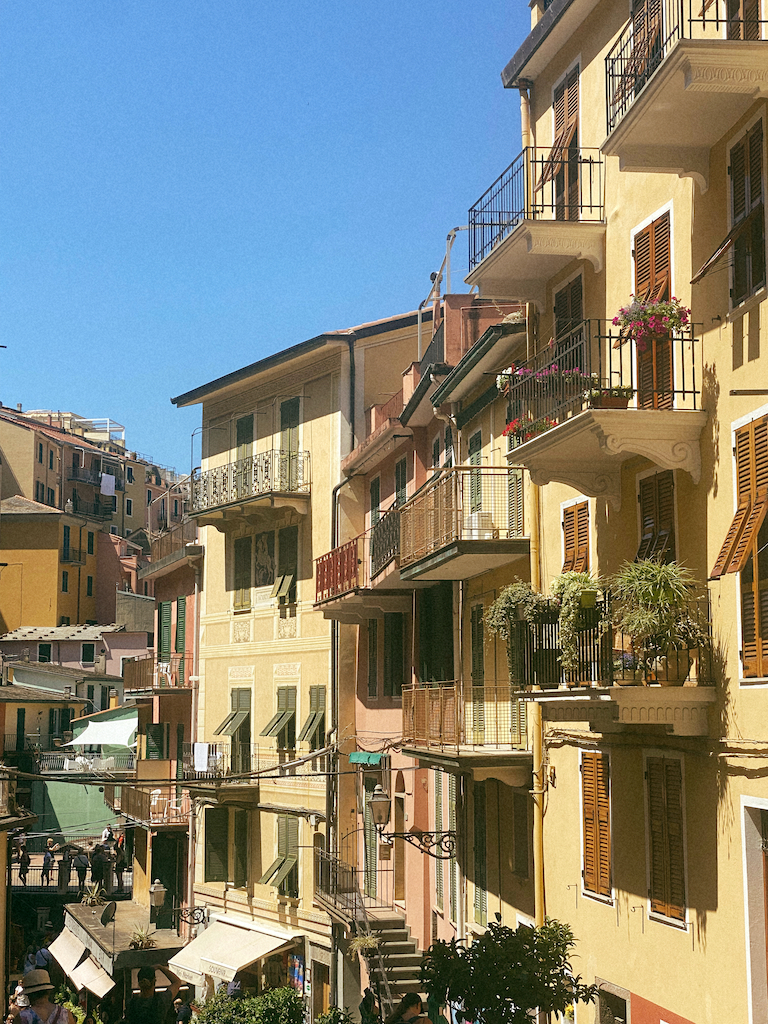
(114, 699)
(18, 407)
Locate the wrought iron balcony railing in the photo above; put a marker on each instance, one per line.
(265, 473)
(453, 714)
(73, 556)
(84, 476)
(385, 541)
(174, 540)
(606, 656)
(150, 673)
(555, 184)
(464, 503)
(225, 759)
(92, 509)
(592, 366)
(651, 35)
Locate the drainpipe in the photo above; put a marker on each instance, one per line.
(537, 729)
(525, 87)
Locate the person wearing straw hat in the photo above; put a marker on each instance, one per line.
(38, 988)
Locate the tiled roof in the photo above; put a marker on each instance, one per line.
(55, 633)
(51, 668)
(19, 505)
(15, 694)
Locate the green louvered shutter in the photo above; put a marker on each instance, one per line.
(452, 865)
(181, 624)
(478, 673)
(481, 893)
(164, 636)
(216, 844)
(155, 741)
(370, 840)
(241, 848)
(475, 479)
(515, 527)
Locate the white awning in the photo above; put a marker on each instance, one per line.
(92, 976)
(67, 950)
(119, 732)
(225, 948)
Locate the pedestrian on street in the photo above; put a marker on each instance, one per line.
(24, 862)
(150, 1007)
(37, 987)
(120, 866)
(81, 867)
(98, 862)
(47, 867)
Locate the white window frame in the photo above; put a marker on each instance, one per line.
(571, 503)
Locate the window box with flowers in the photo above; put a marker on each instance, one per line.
(522, 429)
(646, 319)
(608, 397)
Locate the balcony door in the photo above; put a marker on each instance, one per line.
(244, 465)
(289, 445)
(743, 19)
(566, 159)
(655, 384)
(647, 42)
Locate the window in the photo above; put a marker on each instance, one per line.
(181, 624)
(65, 541)
(40, 452)
(216, 844)
(39, 491)
(129, 474)
(149, 497)
(562, 165)
(50, 458)
(113, 499)
(282, 725)
(520, 833)
(394, 654)
(480, 886)
(264, 561)
(129, 506)
(113, 531)
(157, 741)
(657, 517)
(747, 215)
(104, 697)
(569, 314)
(373, 658)
(475, 478)
(44, 653)
(439, 886)
(64, 620)
(448, 446)
(313, 730)
(241, 848)
(745, 549)
(283, 873)
(596, 822)
(89, 691)
(436, 453)
(175, 508)
(242, 571)
(653, 282)
(375, 494)
(576, 538)
(65, 582)
(289, 445)
(666, 852)
(284, 588)
(401, 482)
(477, 636)
(164, 613)
(89, 586)
(515, 521)
(51, 497)
(90, 543)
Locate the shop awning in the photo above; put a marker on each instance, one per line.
(67, 950)
(223, 949)
(365, 757)
(118, 732)
(92, 976)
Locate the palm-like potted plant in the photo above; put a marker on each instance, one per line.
(652, 606)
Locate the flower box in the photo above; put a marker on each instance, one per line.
(606, 401)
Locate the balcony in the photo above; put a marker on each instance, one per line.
(172, 550)
(92, 509)
(209, 762)
(84, 476)
(452, 722)
(72, 556)
(676, 84)
(159, 805)
(383, 433)
(59, 762)
(273, 479)
(459, 525)
(148, 673)
(565, 417)
(359, 579)
(544, 211)
(613, 687)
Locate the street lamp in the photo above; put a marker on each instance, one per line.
(157, 893)
(440, 845)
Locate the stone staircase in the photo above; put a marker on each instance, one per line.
(400, 955)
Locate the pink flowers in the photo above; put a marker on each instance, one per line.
(642, 319)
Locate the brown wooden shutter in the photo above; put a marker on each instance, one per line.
(643, 264)
(566, 117)
(576, 538)
(754, 521)
(666, 840)
(657, 517)
(752, 494)
(596, 822)
(569, 538)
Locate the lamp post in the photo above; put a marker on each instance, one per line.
(440, 845)
(157, 893)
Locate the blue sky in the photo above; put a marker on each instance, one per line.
(188, 186)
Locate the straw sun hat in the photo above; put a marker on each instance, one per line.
(36, 981)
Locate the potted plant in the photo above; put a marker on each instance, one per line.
(570, 589)
(644, 319)
(616, 397)
(517, 602)
(652, 607)
(364, 945)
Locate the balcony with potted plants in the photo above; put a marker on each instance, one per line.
(255, 483)
(600, 395)
(360, 579)
(545, 210)
(635, 651)
(677, 78)
(460, 524)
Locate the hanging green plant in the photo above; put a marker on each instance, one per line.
(517, 602)
(568, 590)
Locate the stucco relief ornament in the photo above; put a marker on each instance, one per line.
(286, 628)
(241, 633)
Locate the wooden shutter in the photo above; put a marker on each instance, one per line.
(370, 839)
(438, 833)
(216, 844)
(244, 432)
(743, 19)
(288, 559)
(576, 538)
(751, 490)
(478, 673)
(155, 741)
(515, 522)
(242, 572)
(375, 500)
(373, 658)
(666, 837)
(475, 478)
(566, 118)
(241, 848)
(181, 624)
(289, 445)
(748, 231)
(596, 822)
(657, 517)
(453, 906)
(480, 865)
(569, 308)
(401, 482)
(164, 635)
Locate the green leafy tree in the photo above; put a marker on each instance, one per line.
(278, 1006)
(506, 974)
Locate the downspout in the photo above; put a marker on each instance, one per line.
(537, 728)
